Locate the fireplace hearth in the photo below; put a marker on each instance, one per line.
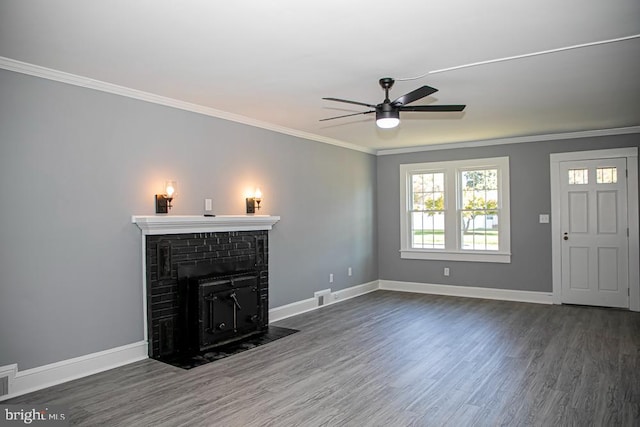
(193, 360)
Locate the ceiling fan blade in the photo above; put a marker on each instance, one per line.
(433, 108)
(350, 102)
(347, 115)
(419, 93)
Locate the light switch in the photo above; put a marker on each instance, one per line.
(544, 218)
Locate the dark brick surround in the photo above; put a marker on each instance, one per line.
(168, 254)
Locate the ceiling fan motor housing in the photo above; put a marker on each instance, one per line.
(387, 109)
(387, 116)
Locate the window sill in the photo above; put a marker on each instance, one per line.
(498, 257)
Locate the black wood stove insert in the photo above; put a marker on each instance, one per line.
(222, 305)
(205, 290)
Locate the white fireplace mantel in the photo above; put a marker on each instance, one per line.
(175, 224)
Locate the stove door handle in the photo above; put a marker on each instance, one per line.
(211, 326)
(235, 300)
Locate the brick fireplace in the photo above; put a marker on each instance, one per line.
(205, 280)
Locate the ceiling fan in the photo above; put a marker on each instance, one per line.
(388, 112)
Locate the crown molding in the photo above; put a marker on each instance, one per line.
(75, 80)
(513, 140)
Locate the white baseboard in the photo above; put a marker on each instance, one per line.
(310, 304)
(34, 379)
(355, 291)
(468, 291)
(293, 309)
(299, 307)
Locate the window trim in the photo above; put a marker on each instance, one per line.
(453, 251)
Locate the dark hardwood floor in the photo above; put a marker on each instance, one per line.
(391, 359)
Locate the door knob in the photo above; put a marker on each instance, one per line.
(566, 237)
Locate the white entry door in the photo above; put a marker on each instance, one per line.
(595, 248)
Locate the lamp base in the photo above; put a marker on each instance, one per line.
(251, 205)
(162, 204)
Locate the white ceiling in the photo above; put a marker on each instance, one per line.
(273, 61)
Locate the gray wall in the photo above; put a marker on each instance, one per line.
(530, 267)
(75, 164)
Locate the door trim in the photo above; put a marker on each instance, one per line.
(631, 155)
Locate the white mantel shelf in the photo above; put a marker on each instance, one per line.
(176, 224)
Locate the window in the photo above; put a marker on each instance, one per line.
(427, 214)
(578, 176)
(607, 175)
(456, 210)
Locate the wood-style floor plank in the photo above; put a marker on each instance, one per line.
(391, 359)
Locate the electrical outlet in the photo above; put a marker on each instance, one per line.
(350, 272)
(208, 205)
(330, 277)
(446, 271)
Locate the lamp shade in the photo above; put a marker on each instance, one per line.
(170, 188)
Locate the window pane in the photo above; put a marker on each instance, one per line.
(418, 202)
(427, 211)
(427, 230)
(484, 179)
(438, 181)
(479, 209)
(417, 183)
(480, 231)
(606, 175)
(467, 197)
(427, 191)
(578, 176)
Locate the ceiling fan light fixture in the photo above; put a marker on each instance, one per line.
(387, 123)
(387, 119)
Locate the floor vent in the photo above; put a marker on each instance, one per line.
(323, 297)
(4, 386)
